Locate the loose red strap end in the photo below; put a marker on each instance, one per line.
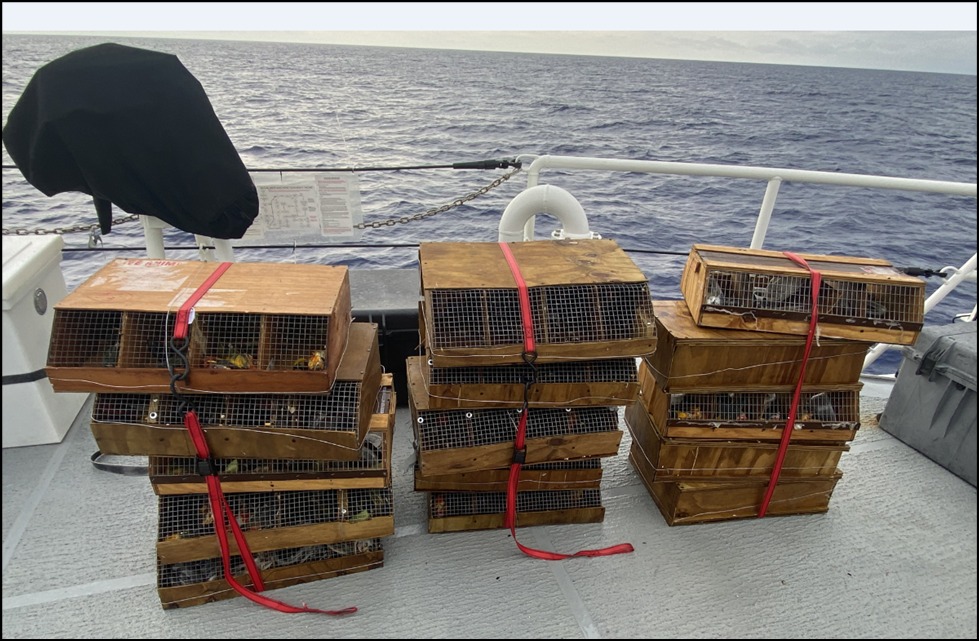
(622, 548)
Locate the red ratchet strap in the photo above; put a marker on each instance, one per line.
(180, 326)
(783, 445)
(520, 440)
(223, 515)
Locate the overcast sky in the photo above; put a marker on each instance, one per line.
(910, 36)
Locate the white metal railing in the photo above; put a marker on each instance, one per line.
(773, 177)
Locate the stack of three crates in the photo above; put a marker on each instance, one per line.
(589, 315)
(295, 410)
(717, 392)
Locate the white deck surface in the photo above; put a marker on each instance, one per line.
(894, 557)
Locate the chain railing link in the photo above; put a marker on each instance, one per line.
(84, 227)
(377, 224)
(391, 222)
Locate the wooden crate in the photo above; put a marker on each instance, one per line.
(689, 356)
(703, 459)
(826, 413)
(605, 382)
(331, 425)
(262, 327)
(176, 475)
(860, 299)
(588, 300)
(456, 441)
(272, 521)
(560, 475)
(464, 511)
(689, 502)
(182, 585)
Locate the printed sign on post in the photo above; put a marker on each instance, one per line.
(306, 207)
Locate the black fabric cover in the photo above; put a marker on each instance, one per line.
(133, 128)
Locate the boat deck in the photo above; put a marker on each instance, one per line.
(893, 557)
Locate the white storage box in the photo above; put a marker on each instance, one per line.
(932, 407)
(32, 284)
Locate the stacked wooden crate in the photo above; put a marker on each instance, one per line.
(591, 315)
(289, 394)
(717, 391)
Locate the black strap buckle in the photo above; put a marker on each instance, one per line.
(205, 467)
(520, 455)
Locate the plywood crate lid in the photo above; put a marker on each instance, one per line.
(153, 285)
(566, 262)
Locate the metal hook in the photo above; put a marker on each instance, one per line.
(94, 237)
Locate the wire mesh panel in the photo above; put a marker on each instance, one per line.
(559, 475)
(701, 458)
(588, 301)
(858, 298)
(439, 430)
(260, 327)
(452, 441)
(689, 356)
(458, 511)
(600, 382)
(85, 338)
(706, 501)
(191, 583)
(561, 314)
(272, 520)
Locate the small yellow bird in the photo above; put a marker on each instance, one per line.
(317, 360)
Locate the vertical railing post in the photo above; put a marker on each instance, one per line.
(765, 215)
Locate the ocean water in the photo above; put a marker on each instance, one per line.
(323, 106)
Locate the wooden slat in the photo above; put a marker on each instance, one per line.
(690, 356)
(206, 547)
(496, 480)
(701, 459)
(487, 395)
(539, 450)
(199, 593)
(684, 503)
(524, 519)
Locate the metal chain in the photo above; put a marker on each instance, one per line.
(64, 230)
(390, 222)
(374, 225)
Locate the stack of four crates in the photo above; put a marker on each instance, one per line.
(289, 392)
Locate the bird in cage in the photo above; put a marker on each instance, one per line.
(110, 354)
(364, 546)
(371, 452)
(820, 407)
(438, 506)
